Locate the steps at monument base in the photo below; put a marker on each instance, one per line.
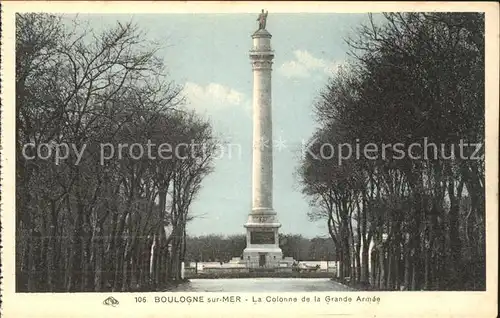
(262, 270)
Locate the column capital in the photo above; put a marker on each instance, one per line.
(262, 64)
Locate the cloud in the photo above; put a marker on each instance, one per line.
(212, 96)
(305, 64)
(224, 107)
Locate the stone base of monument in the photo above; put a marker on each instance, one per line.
(262, 250)
(262, 256)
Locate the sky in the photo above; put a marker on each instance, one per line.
(208, 55)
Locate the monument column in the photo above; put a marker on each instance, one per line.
(262, 164)
(262, 227)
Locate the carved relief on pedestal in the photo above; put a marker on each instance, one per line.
(262, 218)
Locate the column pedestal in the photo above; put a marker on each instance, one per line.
(262, 249)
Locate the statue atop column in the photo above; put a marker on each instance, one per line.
(262, 20)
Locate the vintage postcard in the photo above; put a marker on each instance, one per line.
(249, 159)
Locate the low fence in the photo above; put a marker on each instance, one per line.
(259, 274)
(225, 270)
(312, 269)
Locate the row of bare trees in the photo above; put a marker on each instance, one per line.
(414, 221)
(97, 220)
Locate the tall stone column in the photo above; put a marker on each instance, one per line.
(262, 226)
(262, 165)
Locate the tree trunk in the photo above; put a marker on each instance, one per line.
(98, 252)
(374, 268)
(382, 267)
(408, 266)
(365, 274)
(455, 241)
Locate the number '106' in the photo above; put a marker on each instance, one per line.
(140, 299)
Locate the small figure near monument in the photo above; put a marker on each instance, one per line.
(262, 20)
